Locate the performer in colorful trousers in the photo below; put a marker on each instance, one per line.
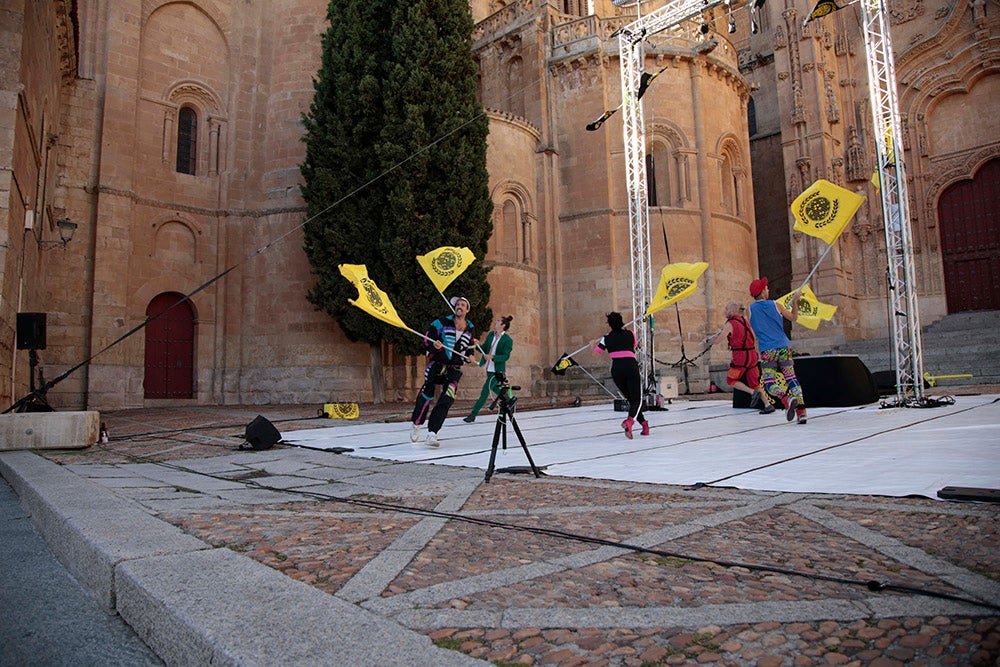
(777, 367)
(448, 344)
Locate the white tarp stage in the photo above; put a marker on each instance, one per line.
(858, 450)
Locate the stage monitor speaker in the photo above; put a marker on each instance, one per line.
(835, 381)
(261, 434)
(31, 331)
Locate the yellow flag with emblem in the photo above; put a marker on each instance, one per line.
(811, 310)
(677, 281)
(445, 264)
(341, 410)
(370, 299)
(824, 210)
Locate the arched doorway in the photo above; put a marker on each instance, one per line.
(169, 348)
(969, 215)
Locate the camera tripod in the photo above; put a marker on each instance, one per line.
(506, 403)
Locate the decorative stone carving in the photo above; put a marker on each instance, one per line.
(832, 105)
(901, 11)
(856, 168)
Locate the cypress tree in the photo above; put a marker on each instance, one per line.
(396, 162)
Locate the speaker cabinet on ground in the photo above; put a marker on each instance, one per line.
(31, 331)
(261, 434)
(835, 381)
(829, 381)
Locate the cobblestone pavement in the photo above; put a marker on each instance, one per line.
(560, 571)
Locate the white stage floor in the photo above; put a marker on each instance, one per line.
(858, 450)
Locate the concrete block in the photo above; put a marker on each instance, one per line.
(89, 529)
(49, 430)
(219, 608)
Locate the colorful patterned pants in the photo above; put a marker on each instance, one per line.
(436, 375)
(778, 376)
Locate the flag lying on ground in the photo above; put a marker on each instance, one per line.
(370, 299)
(811, 310)
(824, 209)
(341, 410)
(564, 363)
(677, 281)
(445, 264)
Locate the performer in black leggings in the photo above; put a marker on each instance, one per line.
(620, 346)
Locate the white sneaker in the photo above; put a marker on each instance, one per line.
(415, 433)
(432, 439)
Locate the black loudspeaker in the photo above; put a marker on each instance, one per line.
(31, 331)
(261, 434)
(835, 381)
(741, 399)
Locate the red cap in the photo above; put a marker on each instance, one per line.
(757, 286)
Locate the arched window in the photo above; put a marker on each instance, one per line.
(513, 235)
(752, 117)
(187, 140)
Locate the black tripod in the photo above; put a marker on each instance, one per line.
(506, 402)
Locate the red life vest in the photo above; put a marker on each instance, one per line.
(742, 342)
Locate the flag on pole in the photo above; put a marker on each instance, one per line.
(565, 362)
(596, 125)
(822, 8)
(824, 209)
(811, 310)
(370, 299)
(677, 281)
(445, 264)
(341, 410)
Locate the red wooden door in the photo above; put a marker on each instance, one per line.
(969, 215)
(169, 348)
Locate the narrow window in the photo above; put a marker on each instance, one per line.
(187, 140)
(752, 117)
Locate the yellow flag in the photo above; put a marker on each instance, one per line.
(811, 310)
(824, 210)
(677, 281)
(341, 410)
(445, 264)
(370, 299)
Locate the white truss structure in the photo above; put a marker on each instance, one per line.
(886, 125)
(908, 356)
(632, 59)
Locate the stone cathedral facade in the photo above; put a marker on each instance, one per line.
(169, 133)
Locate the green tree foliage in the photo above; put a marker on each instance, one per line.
(396, 162)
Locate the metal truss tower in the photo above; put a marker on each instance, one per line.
(908, 356)
(632, 60)
(904, 314)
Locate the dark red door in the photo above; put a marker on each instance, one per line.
(169, 348)
(969, 215)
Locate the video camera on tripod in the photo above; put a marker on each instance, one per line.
(505, 394)
(505, 399)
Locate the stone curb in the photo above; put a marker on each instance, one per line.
(191, 603)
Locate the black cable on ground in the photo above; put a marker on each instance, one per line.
(872, 585)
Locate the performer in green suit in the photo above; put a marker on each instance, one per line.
(497, 347)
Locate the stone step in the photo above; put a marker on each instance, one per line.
(981, 319)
